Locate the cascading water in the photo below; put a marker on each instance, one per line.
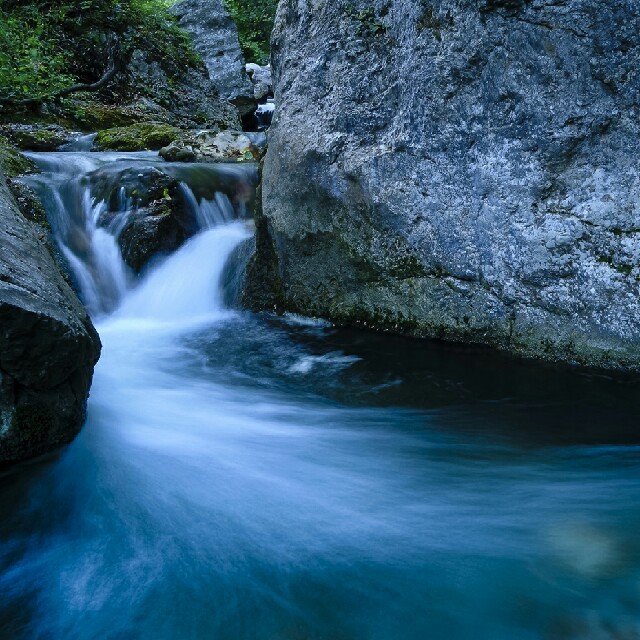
(78, 192)
(253, 477)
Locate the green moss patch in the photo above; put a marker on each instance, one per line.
(12, 162)
(137, 137)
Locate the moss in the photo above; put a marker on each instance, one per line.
(623, 268)
(38, 139)
(137, 137)
(90, 115)
(12, 162)
(370, 23)
(433, 23)
(29, 204)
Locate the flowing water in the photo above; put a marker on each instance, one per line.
(251, 477)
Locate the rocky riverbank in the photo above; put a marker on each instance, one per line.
(48, 346)
(471, 173)
(150, 85)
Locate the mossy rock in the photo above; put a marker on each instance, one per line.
(12, 162)
(35, 138)
(137, 137)
(29, 204)
(90, 115)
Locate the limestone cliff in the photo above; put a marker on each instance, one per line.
(215, 38)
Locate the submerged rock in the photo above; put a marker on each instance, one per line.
(214, 146)
(48, 346)
(471, 173)
(215, 38)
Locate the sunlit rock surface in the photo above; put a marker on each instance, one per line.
(216, 146)
(459, 169)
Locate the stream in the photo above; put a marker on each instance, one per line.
(252, 477)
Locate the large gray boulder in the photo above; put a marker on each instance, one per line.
(215, 38)
(48, 346)
(466, 169)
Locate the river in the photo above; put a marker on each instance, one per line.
(247, 476)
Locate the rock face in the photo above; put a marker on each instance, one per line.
(48, 346)
(215, 38)
(261, 79)
(466, 169)
(184, 98)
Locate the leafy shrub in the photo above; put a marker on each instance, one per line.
(32, 61)
(254, 19)
(47, 45)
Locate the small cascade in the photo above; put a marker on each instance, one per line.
(91, 197)
(186, 287)
(264, 114)
(259, 120)
(81, 143)
(209, 213)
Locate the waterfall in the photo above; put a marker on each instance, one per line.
(89, 209)
(185, 287)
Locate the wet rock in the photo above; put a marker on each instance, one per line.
(161, 221)
(212, 146)
(129, 187)
(215, 38)
(136, 137)
(156, 230)
(462, 170)
(48, 346)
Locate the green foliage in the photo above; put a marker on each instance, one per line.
(369, 23)
(32, 61)
(254, 19)
(437, 24)
(48, 45)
